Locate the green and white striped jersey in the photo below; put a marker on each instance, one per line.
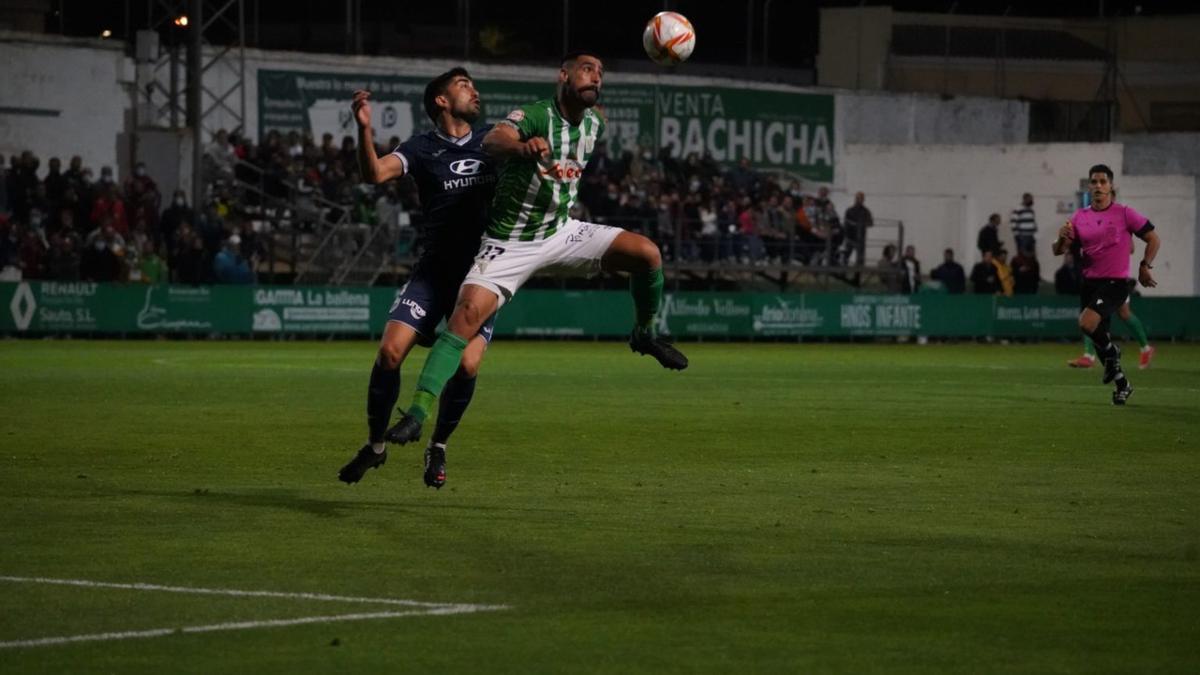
(533, 198)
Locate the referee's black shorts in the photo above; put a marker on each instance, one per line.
(1104, 296)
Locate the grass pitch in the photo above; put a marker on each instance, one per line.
(775, 508)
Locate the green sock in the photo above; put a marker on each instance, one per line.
(647, 291)
(1139, 331)
(1089, 349)
(440, 366)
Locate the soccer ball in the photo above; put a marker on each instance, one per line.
(669, 38)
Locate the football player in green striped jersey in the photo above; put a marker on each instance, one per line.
(545, 147)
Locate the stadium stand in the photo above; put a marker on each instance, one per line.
(301, 216)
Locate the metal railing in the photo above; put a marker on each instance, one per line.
(339, 251)
(834, 255)
(312, 209)
(369, 262)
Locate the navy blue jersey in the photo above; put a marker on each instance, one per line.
(455, 181)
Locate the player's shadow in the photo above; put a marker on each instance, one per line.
(292, 500)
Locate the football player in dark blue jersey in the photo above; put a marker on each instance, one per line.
(455, 181)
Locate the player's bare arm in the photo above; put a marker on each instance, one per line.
(504, 142)
(1065, 234)
(1145, 278)
(374, 169)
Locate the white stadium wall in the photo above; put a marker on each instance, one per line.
(62, 96)
(1170, 203)
(903, 119)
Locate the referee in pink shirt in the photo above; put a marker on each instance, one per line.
(1101, 236)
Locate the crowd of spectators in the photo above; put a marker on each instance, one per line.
(995, 273)
(70, 225)
(698, 212)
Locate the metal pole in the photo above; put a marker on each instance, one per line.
(194, 110)
(174, 101)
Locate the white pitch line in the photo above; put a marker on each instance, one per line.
(240, 625)
(320, 597)
(424, 609)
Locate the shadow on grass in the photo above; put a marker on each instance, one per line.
(293, 500)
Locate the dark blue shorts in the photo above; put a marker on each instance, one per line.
(423, 302)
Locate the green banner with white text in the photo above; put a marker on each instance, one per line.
(55, 307)
(775, 130)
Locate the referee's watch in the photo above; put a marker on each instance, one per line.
(1146, 265)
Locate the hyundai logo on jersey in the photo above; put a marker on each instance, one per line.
(467, 167)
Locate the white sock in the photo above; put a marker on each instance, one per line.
(379, 447)
(437, 445)
(1147, 348)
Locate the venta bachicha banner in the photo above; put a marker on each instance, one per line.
(775, 130)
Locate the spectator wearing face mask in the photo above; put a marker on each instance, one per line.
(229, 267)
(102, 255)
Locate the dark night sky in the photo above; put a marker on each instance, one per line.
(610, 26)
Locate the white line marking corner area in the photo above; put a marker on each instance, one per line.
(414, 608)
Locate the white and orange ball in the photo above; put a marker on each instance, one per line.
(669, 38)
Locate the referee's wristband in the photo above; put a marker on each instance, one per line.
(1146, 265)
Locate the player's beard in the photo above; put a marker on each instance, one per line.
(468, 113)
(586, 96)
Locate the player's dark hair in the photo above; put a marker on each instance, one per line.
(437, 86)
(576, 53)
(1101, 168)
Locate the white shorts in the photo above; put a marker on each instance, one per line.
(504, 266)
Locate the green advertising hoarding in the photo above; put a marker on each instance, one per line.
(40, 308)
(83, 307)
(775, 130)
